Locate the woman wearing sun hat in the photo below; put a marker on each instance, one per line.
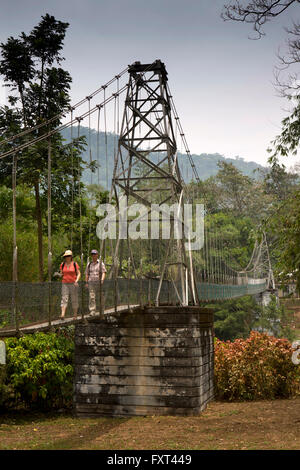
(70, 273)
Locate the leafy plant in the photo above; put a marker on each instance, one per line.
(259, 367)
(39, 370)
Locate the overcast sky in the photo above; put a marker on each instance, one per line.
(220, 80)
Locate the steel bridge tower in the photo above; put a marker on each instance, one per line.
(146, 172)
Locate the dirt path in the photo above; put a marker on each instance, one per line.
(255, 425)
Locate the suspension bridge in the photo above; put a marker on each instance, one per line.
(142, 270)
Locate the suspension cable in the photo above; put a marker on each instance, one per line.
(91, 182)
(62, 114)
(73, 184)
(63, 126)
(178, 123)
(80, 203)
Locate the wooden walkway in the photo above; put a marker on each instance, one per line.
(45, 326)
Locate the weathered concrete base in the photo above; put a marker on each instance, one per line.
(150, 361)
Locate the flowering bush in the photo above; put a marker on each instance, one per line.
(259, 367)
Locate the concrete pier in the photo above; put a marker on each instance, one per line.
(147, 361)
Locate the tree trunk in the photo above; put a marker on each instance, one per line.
(38, 213)
(41, 89)
(23, 105)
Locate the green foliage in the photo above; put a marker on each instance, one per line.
(235, 237)
(27, 253)
(285, 227)
(29, 65)
(233, 192)
(39, 371)
(287, 141)
(275, 319)
(235, 187)
(279, 183)
(259, 367)
(206, 164)
(235, 318)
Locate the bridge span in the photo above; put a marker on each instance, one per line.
(149, 347)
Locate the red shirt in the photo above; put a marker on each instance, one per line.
(69, 273)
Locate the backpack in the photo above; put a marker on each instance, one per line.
(75, 267)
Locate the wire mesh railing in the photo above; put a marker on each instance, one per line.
(208, 292)
(26, 303)
(23, 304)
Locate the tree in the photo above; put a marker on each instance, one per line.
(28, 67)
(287, 141)
(285, 227)
(235, 318)
(235, 187)
(233, 192)
(256, 12)
(27, 260)
(274, 319)
(279, 183)
(17, 67)
(289, 87)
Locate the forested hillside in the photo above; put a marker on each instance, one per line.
(102, 148)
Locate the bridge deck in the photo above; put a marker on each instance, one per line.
(45, 326)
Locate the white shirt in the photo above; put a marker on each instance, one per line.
(93, 270)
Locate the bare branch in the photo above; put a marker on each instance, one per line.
(257, 12)
(289, 84)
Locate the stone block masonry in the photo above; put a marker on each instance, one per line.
(144, 361)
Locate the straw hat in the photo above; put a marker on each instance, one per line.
(67, 253)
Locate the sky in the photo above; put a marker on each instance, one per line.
(222, 82)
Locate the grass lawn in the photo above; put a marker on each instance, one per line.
(222, 426)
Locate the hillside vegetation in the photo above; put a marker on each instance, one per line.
(102, 147)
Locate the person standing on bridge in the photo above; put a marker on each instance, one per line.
(94, 274)
(70, 273)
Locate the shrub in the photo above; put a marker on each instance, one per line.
(39, 371)
(259, 367)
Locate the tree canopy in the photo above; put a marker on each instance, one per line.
(29, 65)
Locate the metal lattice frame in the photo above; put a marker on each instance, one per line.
(146, 168)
